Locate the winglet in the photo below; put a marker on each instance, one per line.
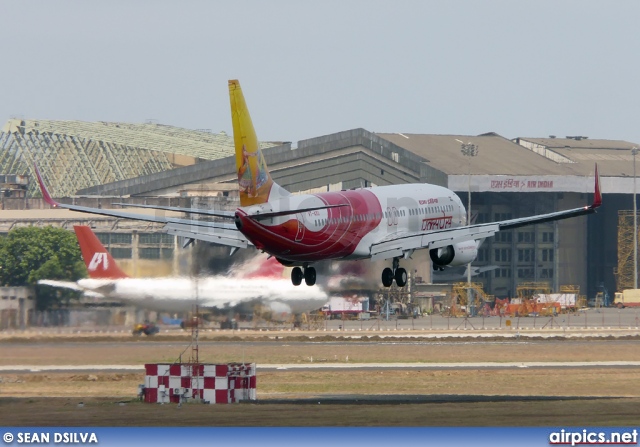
(597, 194)
(45, 193)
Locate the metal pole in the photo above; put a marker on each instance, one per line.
(634, 152)
(469, 223)
(469, 150)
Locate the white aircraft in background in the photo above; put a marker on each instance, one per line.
(179, 294)
(459, 274)
(381, 222)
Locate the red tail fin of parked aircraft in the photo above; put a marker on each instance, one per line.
(98, 260)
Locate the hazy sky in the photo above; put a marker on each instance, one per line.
(310, 68)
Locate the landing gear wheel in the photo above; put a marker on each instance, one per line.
(401, 277)
(310, 276)
(296, 276)
(387, 277)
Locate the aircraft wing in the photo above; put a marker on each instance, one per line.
(70, 285)
(197, 229)
(231, 214)
(403, 244)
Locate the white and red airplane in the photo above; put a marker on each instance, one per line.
(271, 292)
(382, 222)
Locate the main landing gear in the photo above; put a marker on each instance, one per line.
(398, 273)
(309, 276)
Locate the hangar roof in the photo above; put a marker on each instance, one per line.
(73, 155)
(614, 157)
(579, 142)
(496, 154)
(522, 156)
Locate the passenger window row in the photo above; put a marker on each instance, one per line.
(387, 214)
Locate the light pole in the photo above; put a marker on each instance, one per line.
(469, 150)
(634, 152)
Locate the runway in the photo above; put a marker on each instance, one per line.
(339, 366)
(489, 382)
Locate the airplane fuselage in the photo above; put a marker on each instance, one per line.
(180, 294)
(347, 232)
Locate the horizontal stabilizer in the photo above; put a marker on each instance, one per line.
(61, 284)
(70, 285)
(214, 213)
(227, 237)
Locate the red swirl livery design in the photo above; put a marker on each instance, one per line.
(382, 222)
(331, 233)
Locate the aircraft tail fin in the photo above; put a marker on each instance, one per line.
(254, 180)
(98, 260)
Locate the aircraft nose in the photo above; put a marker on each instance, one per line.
(238, 222)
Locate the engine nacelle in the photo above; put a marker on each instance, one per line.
(454, 255)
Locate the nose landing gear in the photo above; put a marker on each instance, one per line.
(398, 273)
(309, 276)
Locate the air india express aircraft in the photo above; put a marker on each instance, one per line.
(377, 223)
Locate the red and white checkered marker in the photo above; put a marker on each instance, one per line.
(214, 384)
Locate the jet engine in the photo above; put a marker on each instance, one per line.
(454, 255)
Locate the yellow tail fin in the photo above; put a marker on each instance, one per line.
(254, 179)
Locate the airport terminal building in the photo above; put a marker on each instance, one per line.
(506, 178)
